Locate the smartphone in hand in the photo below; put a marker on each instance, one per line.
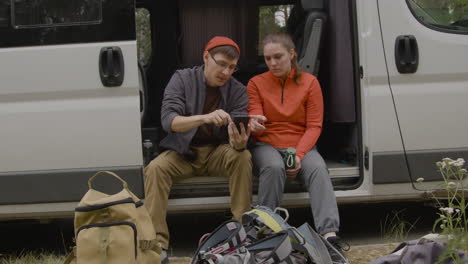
(237, 119)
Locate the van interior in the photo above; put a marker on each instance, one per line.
(171, 35)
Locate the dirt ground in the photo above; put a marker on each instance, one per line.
(365, 254)
(356, 255)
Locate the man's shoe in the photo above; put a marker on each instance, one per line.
(336, 247)
(164, 258)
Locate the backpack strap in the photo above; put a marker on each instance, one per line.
(149, 244)
(314, 244)
(90, 181)
(252, 224)
(71, 256)
(241, 257)
(262, 221)
(271, 219)
(224, 239)
(278, 247)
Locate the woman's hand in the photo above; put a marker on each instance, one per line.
(292, 173)
(256, 123)
(238, 140)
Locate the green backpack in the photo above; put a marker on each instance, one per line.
(113, 229)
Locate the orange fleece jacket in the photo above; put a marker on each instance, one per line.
(294, 112)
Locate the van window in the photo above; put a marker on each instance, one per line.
(272, 19)
(47, 13)
(143, 34)
(54, 22)
(449, 15)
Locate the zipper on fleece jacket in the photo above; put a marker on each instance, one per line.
(282, 91)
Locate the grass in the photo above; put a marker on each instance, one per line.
(395, 228)
(31, 258)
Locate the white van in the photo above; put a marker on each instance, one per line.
(82, 83)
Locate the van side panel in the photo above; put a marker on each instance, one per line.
(380, 126)
(60, 123)
(56, 114)
(431, 102)
(52, 186)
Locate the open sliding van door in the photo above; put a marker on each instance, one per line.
(69, 102)
(425, 47)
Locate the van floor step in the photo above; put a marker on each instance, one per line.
(342, 175)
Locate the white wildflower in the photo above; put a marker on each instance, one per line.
(451, 185)
(463, 170)
(457, 210)
(447, 159)
(459, 162)
(449, 210)
(420, 179)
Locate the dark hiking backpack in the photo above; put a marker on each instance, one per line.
(228, 244)
(262, 221)
(263, 237)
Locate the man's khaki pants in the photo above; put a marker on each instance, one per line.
(169, 167)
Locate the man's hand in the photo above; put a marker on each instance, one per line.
(292, 173)
(185, 123)
(217, 118)
(238, 140)
(256, 123)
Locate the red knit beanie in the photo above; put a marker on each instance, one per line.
(221, 41)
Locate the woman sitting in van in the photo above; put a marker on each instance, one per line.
(291, 101)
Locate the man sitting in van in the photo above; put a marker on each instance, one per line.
(202, 139)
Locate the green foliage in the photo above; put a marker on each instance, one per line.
(143, 33)
(272, 19)
(453, 220)
(395, 228)
(443, 12)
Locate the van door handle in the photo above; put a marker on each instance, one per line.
(111, 66)
(406, 54)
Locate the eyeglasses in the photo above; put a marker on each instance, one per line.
(222, 65)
